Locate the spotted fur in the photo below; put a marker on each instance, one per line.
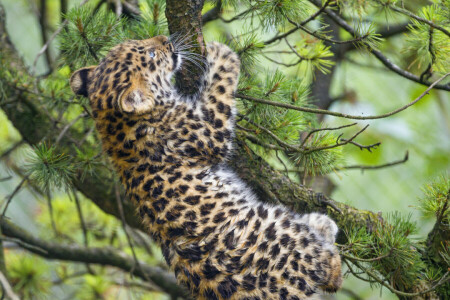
(171, 151)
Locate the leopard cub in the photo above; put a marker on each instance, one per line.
(171, 151)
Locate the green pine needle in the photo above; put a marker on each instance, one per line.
(89, 35)
(49, 169)
(319, 162)
(436, 199)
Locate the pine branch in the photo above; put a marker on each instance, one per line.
(386, 165)
(342, 115)
(48, 41)
(299, 25)
(378, 54)
(105, 256)
(420, 19)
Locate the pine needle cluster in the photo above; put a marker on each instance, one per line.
(49, 169)
(88, 36)
(429, 46)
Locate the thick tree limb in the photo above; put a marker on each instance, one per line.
(105, 256)
(185, 18)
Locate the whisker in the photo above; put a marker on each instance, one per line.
(195, 63)
(199, 59)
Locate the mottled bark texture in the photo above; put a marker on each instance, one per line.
(185, 19)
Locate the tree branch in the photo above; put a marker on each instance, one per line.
(105, 256)
(298, 26)
(420, 19)
(43, 22)
(6, 287)
(386, 165)
(341, 115)
(185, 18)
(387, 62)
(213, 13)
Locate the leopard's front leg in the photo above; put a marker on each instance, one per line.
(217, 97)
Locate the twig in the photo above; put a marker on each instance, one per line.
(338, 144)
(273, 135)
(10, 197)
(294, 51)
(357, 275)
(124, 226)
(397, 162)
(362, 147)
(444, 279)
(388, 63)
(213, 13)
(300, 148)
(326, 39)
(350, 293)
(141, 285)
(284, 165)
(257, 141)
(282, 64)
(324, 129)
(83, 225)
(411, 15)
(341, 115)
(140, 240)
(5, 178)
(64, 130)
(43, 24)
(7, 287)
(312, 17)
(237, 17)
(428, 72)
(368, 259)
(11, 149)
(50, 39)
(48, 196)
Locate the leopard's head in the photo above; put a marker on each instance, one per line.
(131, 78)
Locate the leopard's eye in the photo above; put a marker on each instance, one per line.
(152, 54)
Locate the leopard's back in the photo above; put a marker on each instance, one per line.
(171, 153)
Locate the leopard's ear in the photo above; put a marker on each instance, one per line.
(79, 81)
(135, 100)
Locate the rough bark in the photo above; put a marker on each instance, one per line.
(185, 19)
